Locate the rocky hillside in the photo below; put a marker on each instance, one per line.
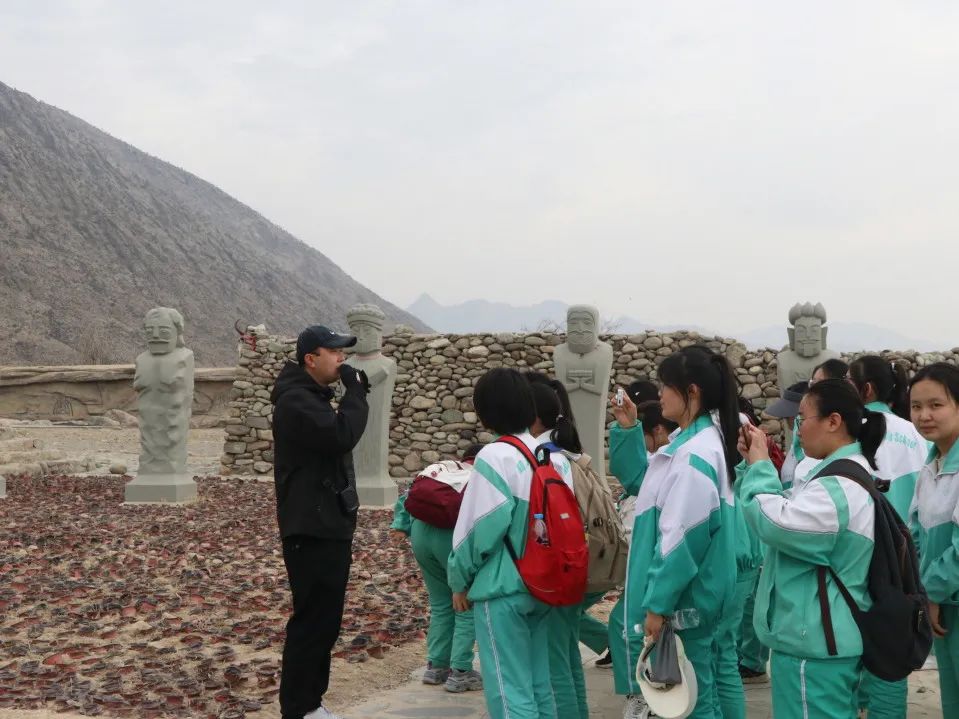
(94, 232)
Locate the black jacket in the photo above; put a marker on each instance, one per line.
(313, 446)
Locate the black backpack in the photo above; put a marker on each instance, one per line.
(896, 633)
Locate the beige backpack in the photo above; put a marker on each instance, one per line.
(605, 533)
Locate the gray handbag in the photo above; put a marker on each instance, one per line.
(662, 669)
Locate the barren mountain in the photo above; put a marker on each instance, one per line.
(94, 232)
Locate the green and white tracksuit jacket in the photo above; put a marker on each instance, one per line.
(936, 507)
(495, 505)
(828, 521)
(682, 555)
(900, 458)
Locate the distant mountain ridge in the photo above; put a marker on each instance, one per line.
(485, 316)
(94, 232)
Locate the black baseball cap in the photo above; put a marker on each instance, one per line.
(316, 336)
(788, 403)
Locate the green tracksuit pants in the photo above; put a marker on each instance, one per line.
(884, 700)
(700, 650)
(624, 649)
(565, 662)
(753, 654)
(729, 684)
(592, 632)
(513, 647)
(814, 688)
(947, 657)
(449, 641)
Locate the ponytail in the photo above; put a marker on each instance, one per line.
(565, 434)
(554, 411)
(872, 432)
(837, 396)
(888, 379)
(728, 408)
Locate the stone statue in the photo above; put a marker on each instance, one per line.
(583, 365)
(807, 345)
(163, 381)
(373, 482)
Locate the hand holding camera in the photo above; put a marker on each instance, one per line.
(351, 377)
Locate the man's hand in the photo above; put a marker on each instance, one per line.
(352, 377)
(460, 602)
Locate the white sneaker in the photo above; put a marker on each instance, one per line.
(321, 713)
(636, 708)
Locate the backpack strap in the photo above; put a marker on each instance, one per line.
(520, 445)
(857, 473)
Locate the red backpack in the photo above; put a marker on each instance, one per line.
(437, 493)
(554, 565)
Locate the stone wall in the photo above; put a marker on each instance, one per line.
(84, 391)
(433, 413)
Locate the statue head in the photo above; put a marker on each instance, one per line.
(366, 322)
(163, 330)
(582, 328)
(807, 336)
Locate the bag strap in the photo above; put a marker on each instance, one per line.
(854, 471)
(825, 612)
(518, 444)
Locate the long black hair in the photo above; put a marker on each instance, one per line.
(863, 425)
(833, 369)
(888, 379)
(945, 374)
(719, 390)
(554, 411)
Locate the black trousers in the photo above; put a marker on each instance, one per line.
(318, 570)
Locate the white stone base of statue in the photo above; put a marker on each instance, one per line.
(376, 492)
(3, 487)
(160, 488)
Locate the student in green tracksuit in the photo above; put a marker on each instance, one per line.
(451, 635)
(555, 426)
(656, 430)
(884, 388)
(511, 625)
(827, 521)
(934, 403)
(682, 565)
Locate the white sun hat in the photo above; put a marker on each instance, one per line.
(668, 702)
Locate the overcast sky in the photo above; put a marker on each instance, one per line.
(707, 163)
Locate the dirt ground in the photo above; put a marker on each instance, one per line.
(177, 611)
(204, 445)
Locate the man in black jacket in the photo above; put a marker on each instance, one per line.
(316, 504)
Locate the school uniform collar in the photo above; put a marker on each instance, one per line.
(679, 437)
(950, 463)
(847, 450)
(879, 407)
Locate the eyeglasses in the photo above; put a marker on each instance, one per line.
(800, 419)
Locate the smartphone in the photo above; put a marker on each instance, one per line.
(747, 439)
(620, 396)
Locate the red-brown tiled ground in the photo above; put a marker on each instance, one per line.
(170, 610)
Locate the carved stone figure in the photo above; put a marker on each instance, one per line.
(583, 364)
(163, 381)
(373, 482)
(807, 345)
